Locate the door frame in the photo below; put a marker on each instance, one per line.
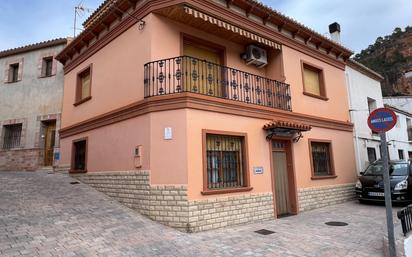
(46, 124)
(293, 194)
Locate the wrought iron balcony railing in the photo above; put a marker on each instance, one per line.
(189, 74)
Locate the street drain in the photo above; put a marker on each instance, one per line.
(336, 223)
(264, 232)
(74, 182)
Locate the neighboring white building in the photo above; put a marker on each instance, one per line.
(400, 137)
(365, 95)
(400, 102)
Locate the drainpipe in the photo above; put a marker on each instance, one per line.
(357, 153)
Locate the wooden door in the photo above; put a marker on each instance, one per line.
(203, 75)
(284, 183)
(49, 140)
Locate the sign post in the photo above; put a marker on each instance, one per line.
(382, 120)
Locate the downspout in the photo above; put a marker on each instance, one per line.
(357, 153)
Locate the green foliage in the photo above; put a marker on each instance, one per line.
(385, 57)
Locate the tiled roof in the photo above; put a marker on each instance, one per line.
(362, 68)
(98, 12)
(107, 3)
(35, 46)
(295, 22)
(287, 124)
(395, 109)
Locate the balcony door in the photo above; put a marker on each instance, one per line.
(203, 73)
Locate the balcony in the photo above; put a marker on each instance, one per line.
(188, 74)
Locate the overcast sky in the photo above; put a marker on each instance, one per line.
(362, 21)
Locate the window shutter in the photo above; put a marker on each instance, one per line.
(20, 73)
(312, 82)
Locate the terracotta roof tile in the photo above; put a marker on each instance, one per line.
(287, 124)
(26, 48)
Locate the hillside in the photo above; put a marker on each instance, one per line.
(391, 56)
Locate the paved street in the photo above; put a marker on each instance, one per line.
(44, 215)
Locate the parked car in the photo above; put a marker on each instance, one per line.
(369, 186)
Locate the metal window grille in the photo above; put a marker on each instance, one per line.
(80, 155)
(225, 168)
(188, 74)
(321, 159)
(12, 136)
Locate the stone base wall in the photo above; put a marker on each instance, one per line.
(232, 210)
(19, 159)
(316, 197)
(168, 204)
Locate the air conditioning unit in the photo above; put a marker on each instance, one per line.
(256, 55)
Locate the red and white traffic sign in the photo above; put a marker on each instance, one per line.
(382, 120)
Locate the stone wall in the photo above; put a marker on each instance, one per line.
(230, 210)
(316, 197)
(19, 159)
(168, 204)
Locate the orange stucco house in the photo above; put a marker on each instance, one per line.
(204, 114)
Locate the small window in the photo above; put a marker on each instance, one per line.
(225, 157)
(322, 161)
(83, 89)
(371, 154)
(47, 67)
(79, 156)
(12, 136)
(371, 104)
(313, 83)
(13, 72)
(400, 153)
(409, 128)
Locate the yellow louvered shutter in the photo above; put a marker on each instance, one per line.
(312, 81)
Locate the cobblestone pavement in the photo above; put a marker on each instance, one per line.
(44, 215)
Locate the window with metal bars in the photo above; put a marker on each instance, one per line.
(225, 161)
(12, 136)
(321, 159)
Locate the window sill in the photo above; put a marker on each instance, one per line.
(82, 101)
(226, 191)
(17, 148)
(316, 96)
(11, 82)
(323, 177)
(77, 171)
(52, 75)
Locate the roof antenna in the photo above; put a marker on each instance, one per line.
(79, 11)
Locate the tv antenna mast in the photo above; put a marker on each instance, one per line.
(79, 11)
